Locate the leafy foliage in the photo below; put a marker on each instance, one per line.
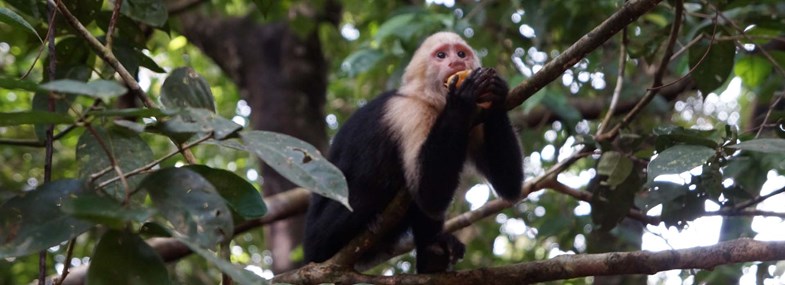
(35, 221)
(125, 256)
(114, 159)
(132, 184)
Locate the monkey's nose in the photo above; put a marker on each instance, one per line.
(458, 65)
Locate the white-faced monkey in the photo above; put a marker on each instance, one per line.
(418, 138)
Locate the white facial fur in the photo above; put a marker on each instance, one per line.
(411, 116)
(424, 76)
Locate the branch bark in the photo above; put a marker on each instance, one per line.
(589, 42)
(564, 266)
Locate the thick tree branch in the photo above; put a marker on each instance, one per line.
(564, 266)
(589, 42)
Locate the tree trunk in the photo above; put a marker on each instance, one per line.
(283, 77)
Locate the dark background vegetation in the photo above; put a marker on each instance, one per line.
(686, 89)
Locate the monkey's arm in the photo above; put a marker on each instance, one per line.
(499, 157)
(443, 153)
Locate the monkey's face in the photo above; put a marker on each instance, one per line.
(449, 58)
(440, 55)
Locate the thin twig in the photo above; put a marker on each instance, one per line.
(619, 83)
(679, 7)
(105, 54)
(749, 213)
(49, 141)
(700, 61)
(225, 255)
(113, 23)
(766, 54)
(552, 70)
(686, 47)
(112, 161)
(67, 263)
(155, 162)
(758, 199)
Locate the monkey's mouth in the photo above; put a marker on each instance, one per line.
(462, 75)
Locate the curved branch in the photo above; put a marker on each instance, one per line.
(589, 42)
(565, 266)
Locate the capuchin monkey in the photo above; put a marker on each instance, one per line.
(419, 138)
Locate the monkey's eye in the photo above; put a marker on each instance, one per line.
(441, 54)
(461, 54)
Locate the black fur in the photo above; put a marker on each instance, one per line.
(369, 158)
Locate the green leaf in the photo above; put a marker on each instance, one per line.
(752, 70)
(129, 151)
(84, 10)
(74, 60)
(299, 162)
(124, 258)
(669, 135)
(749, 172)
(33, 117)
(34, 221)
(153, 229)
(17, 84)
(678, 159)
(361, 61)
(399, 25)
(765, 145)
(11, 18)
(151, 12)
(710, 181)
(191, 121)
(41, 104)
(660, 192)
(191, 204)
(132, 112)
(618, 199)
(126, 55)
(238, 193)
(101, 89)
(148, 62)
(711, 71)
(616, 166)
(186, 88)
(238, 275)
(104, 210)
(683, 209)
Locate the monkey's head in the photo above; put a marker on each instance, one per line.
(439, 56)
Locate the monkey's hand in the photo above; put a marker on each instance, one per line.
(495, 95)
(479, 81)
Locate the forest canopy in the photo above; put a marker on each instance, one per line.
(178, 141)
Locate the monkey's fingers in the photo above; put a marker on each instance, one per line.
(451, 86)
(476, 81)
(499, 87)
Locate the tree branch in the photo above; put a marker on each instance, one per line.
(567, 266)
(589, 42)
(104, 54)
